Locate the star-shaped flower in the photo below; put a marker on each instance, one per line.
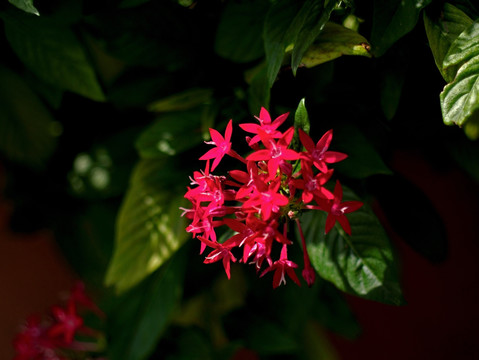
(223, 145)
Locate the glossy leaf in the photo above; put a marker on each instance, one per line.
(171, 134)
(459, 98)
(54, 54)
(24, 120)
(239, 32)
(392, 20)
(25, 5)
(361, 264)
(441, 33)
(143, 314)
(334, 41)
(149, 228)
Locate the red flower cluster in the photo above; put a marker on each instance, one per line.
(54, 338)
(276, 186)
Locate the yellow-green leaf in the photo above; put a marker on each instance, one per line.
(334, 41)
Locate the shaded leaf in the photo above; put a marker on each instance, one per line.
(392, 20)
(28, 133)
(25, 5)
(142, 314)
(361, 264)
(459, 98)
(258, 91)
(239, 33)
(420, 226)
(280, 28)
(363, 159)
(268, 338)
(54, 54)
(441, 33)
(334, 41)
(149, 228)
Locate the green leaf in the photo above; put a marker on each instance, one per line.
(301, 121)
(363, 159)
(361, 264)
(25, 5)
(280, 27)
(392, 20)
(464, 48)
(29, 134)
(239, 32)
(459, 98)
(334, 41)
(441, 33)
(54, 54)
(149, 227)
(317, 17)
(171, 134)
(142, 314)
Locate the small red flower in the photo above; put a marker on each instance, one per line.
(221, 252)
(223, 145)
(268, 127)
(336, 210)
(318, 154)
(280, 267)
(67, 322)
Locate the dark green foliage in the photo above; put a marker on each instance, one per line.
(104, 110)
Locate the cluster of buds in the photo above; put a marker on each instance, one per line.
(55, 338)
(258, 203)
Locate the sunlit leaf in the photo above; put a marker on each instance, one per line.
(149, 228)
(441, 33)
(171, 134)
(25, 5)
(317, 17)
(301, 121)
(239, 32)
(361, 264)
(392, 20)
(54, 54)
(182, 101)
(334, 41)
(28, 131)
(143, 314)
(459, 99)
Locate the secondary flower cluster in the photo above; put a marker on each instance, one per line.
(55, 338)
(257, 203)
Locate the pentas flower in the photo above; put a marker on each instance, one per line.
(55, 337)
(257, 201)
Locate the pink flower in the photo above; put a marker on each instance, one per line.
(223, 145)
(281, 267)
(67, 322)
(318, 154)
(276, 152)
(221, 252)
(268, 127)
(336, 210)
